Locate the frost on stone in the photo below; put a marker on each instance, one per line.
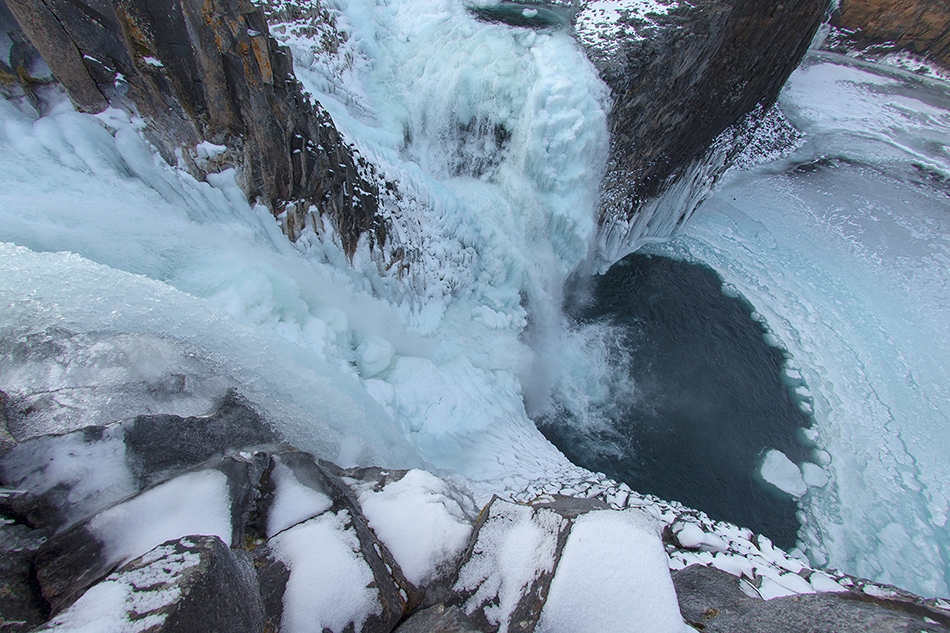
(603, 25)
(515, 546)
(195, 581)
(330, 587)
(613, 572)
(422, 520)
(81, 473)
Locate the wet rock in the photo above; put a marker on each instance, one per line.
(6, 440)
(438, 619)
(921, 26)
(213, 499)
(191, 584)
(680, 79)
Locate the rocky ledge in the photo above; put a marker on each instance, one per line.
(161, 523)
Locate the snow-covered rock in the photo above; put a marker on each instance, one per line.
(194, 583)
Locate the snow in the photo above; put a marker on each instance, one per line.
(516, 544)
(422, 521)
(151, 61)
(294, 501)
(783, 473)
(612, 576)
(193, 503)
(329, 584)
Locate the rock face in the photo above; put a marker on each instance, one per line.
(681, 78)
(712, 600)
(195, 583)
(210, 72)
(922, 26)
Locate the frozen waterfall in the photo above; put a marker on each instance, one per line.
(128, 287)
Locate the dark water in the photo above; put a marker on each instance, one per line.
(708, 402)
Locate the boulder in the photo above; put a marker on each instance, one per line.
(566, 565)
(681, 74)
(215, 499)
(191, 584)
(72, 476)
(210, 72)
(313, 544)
(921, 26)
(438, 619)
(713, 600)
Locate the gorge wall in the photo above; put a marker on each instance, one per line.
(680, 79)
(209, 72)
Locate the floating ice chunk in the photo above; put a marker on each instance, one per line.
(330, 584)
(822, 458)
(781, 472)
(692, 536)
(529, 13)
(613, 570)
(421, 520)
(374, 355)
(814, 475)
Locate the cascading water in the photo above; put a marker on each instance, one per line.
(496, 138)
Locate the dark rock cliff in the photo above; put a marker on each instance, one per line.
(207, 70)
(681, 79)
(921, 26)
